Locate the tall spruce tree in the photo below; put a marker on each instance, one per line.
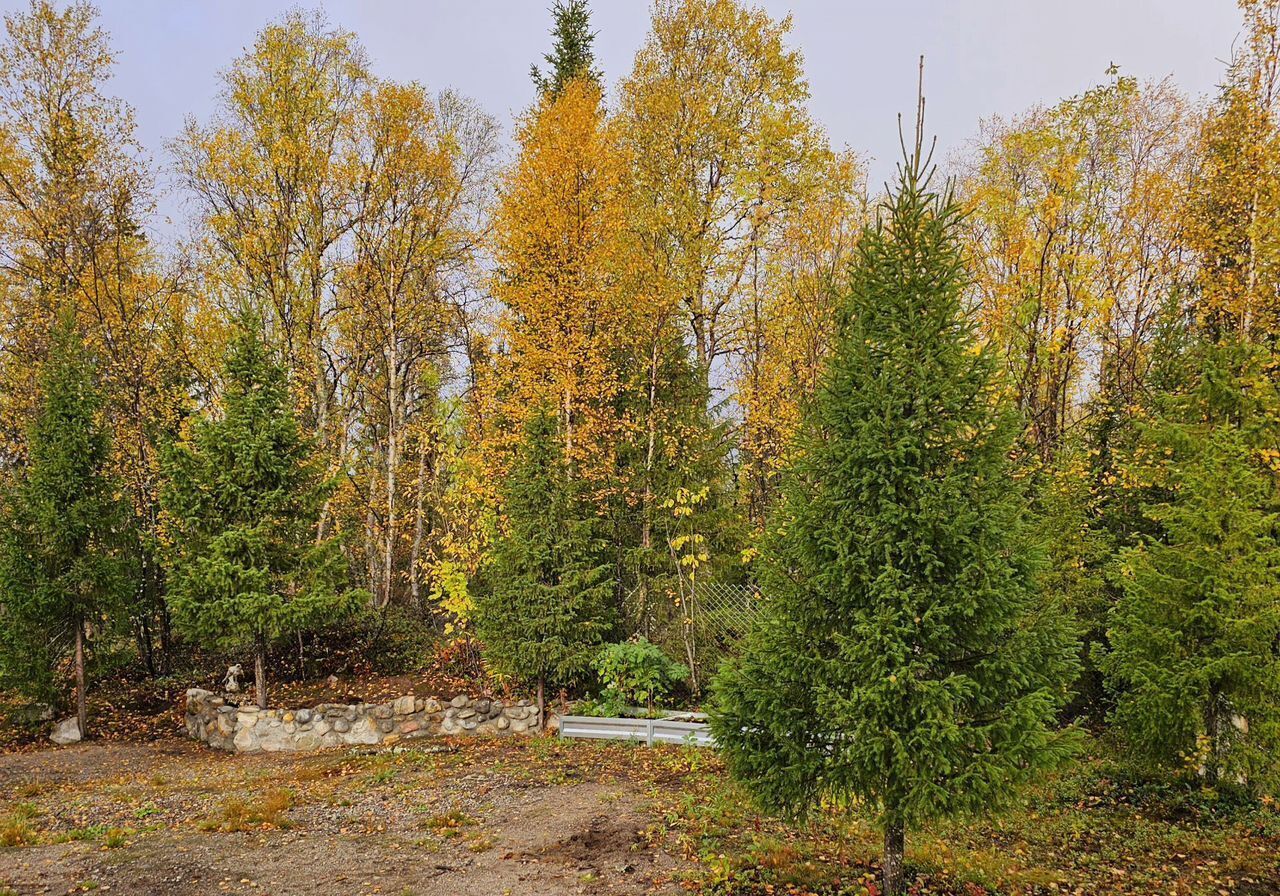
(1192, 639)
(571, 55)
(902, 661)
(64, 571)
(242, 499)
(547, 609)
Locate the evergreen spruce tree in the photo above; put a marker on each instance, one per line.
(241, 504)
(676, 525)
(571, 55)
(1086, 518)
(1192, 639)
(546, 611)
(902, 662)
(63, 567)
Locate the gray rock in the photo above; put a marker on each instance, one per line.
(459, 701)
(363, 732)
(403, 706)
(226, 723)
(66, 732)
(303, 716)
(277, 742)
(342, 726)
(246, 741)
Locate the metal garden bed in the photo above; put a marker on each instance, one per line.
(641, 731)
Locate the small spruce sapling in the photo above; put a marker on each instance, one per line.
(242, 501)
(63, 549)
(546, 611)
(1192, 640)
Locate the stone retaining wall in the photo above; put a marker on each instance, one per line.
(247, 729)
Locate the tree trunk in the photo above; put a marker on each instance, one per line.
(260, 670)
(687, 610)
(646, 502)
(146, 644)
(372, 539)
(419, 528)
(393, 461)
(1213, 731)
(82, 710)
(166, 638)
(894, 847)
(321, 386)
(542, 703)
(570, 464)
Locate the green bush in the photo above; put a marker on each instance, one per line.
(636, 673)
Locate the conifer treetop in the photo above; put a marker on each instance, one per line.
(571, 55)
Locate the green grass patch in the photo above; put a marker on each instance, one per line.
(16, 828)
(449, 825)
(242, 814)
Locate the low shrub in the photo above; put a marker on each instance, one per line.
(460, 657)
(390, 641)
(636, 673)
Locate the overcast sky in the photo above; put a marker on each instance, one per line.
(982, 57)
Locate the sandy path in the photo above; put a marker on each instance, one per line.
(363, 836)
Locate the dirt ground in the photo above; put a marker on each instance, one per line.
(172, 817)
(536, 815)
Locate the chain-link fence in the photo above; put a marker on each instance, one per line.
(723, 613)
(714, 617)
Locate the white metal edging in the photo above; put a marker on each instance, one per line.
(646, 731)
